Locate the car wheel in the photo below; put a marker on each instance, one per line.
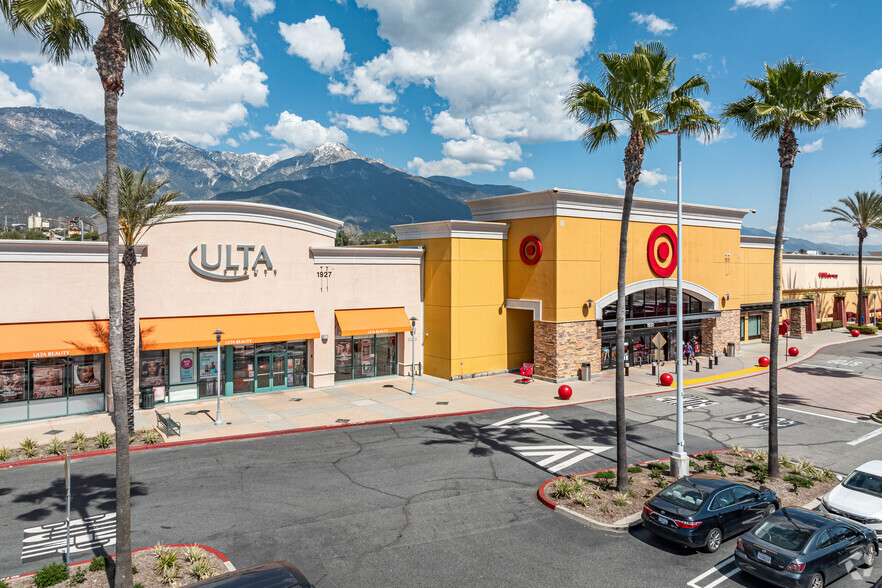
(817, 581)
(714, 540)
(769, 510)
(870, 557)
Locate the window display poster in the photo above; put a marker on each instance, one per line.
(207, 365)
(153, 371)
(187, 365)
(343, 352)
(48, 381)
(85, 378)
(12, 384)
(159, 393)
(367, 358)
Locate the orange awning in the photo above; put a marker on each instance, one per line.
(38, 340)
(239, 329)
(372, 321)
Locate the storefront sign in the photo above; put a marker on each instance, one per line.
(187, 366)
(826, 275)
(661, 251)
(234, 258)
(531, 250)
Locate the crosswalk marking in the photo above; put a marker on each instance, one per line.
(554, 453)
(530, 420)
(85, 535)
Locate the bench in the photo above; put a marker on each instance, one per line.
(170, 425)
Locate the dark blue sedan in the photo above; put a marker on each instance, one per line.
(803, 548)
(701, 511)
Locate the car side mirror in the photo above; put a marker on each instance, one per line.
(764, 488)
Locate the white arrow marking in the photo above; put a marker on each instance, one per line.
(530, 420)
(553, 453)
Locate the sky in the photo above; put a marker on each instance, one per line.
(473, 89)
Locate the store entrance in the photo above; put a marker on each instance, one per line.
(270, 372)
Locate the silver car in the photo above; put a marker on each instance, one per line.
(859, 497)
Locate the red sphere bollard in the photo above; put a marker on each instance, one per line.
(667, 379)
(764, 361)
(855, 333)
(565, 392)
(793, 352)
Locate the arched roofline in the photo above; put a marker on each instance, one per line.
(691, 288)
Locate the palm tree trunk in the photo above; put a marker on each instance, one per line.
(123, 575)
(860, 299)
(128, 314)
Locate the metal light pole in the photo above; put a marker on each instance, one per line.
(679, 459)
(217, 335)
(413, 321)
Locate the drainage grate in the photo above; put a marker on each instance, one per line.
(342, 421)
(53, 432)
(442, 403)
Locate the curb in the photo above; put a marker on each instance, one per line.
(226, 561)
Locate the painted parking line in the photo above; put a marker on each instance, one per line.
(826, 416)
(866, 437)
(725, 570)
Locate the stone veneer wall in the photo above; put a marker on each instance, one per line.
(797, 322)
(717, 333)
(766, 327)
(559, 349)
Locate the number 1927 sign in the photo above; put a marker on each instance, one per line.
(761, 420)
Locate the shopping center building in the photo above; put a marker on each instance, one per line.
(531, 279)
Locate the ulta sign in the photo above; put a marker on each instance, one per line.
(237, 265)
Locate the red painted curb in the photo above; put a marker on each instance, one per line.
(220, 555)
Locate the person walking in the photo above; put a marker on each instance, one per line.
(689, 353)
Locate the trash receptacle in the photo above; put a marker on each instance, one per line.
(586, 372)
(731, 350)
(148, 399)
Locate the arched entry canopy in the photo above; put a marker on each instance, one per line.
(654, 301)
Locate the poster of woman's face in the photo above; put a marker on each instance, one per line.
(153, 371)
(48, 381)
(11, 384)
(86, 378)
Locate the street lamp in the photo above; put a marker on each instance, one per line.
(413, 321)
(217, 335)
(679, 459)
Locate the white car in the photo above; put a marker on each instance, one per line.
(859, 497)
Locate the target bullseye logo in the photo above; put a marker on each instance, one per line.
(531, 250)
(661, 250)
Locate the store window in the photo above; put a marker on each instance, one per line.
(243, 369)
(209, 367)
(754, 326)
(365, 356)
(48, 387)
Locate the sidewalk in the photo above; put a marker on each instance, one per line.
(383, 399)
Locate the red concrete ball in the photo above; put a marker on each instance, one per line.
(793, 352)
(764, 361)
(667, 379)
(855, 333)
(565, 392)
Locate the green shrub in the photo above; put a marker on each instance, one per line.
(738, 451)
(620, 499)
(761, 476)
(720, 468)
(150, 437)
(739, 470)
(78, 578)
(662, 466)
(700, 467)
(646, 494)
(98, 563)
(103, 440)
(707, 456)
(138, 585)
(879, 415)
(635, 469)
(605, 478)
(3, 584)
(81, 445)
(77, 437)
(4, 455)
(798, 482)
(759, 456)
(563, 488)
(662, 483)
(824, 325)
(582, 500)
(579, 483)
(29, 446)
(866, 330)
(55, 447)
(50, 575)
(839, 293)
(166, 563)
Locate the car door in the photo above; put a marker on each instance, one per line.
(751, 508)
(853, 546)
(826, 556)
(841, 551)
(726, 512)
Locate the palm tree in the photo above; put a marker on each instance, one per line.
(636, 89)
(789, 98)
(138, 213)
(862, 211)
(878, 151)
(123, 40)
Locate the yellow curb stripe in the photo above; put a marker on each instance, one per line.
(726, 376)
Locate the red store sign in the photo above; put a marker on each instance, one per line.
(826, 275)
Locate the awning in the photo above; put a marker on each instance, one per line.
(38, 340)
(239, 329)
(372, 321)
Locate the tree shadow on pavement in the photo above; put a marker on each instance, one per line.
(761, 397)
(90, 495)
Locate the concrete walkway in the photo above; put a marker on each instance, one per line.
(382, 399)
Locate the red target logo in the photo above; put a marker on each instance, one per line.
(531, 250)
(661, 250)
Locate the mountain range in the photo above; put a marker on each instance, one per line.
(47, 155)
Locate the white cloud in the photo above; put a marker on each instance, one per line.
(11, 95)
(260, 7)
(871, 89)
(830, 232)
(701, 56)
(522, 174)
(232, 142)
(368, 124)
(621, 184)
(248, 135)
(450, 128)
(303, 134)
(723, 135)
(767, 4)
(853, 121)
(182, 97)
(648, 178)
(707, 105)
(316, 41)
(477, 149)
(654, 24)
(813, 146)
(446, 167)
(19, 47)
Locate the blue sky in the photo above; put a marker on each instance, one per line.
(472, 89)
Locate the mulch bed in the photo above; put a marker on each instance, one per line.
(147, 576)
(16, 454)
(599, 499)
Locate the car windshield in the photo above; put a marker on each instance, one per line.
(782, 533)
(864, 482)
(684, 495)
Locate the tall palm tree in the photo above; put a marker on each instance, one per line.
(129, 35)
(862, 211)
(138, 213)
(636, 89)
(789, 98)
(878, 151)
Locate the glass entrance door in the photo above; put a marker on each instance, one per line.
(270, 373)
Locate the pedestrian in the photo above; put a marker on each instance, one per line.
(688, 352)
